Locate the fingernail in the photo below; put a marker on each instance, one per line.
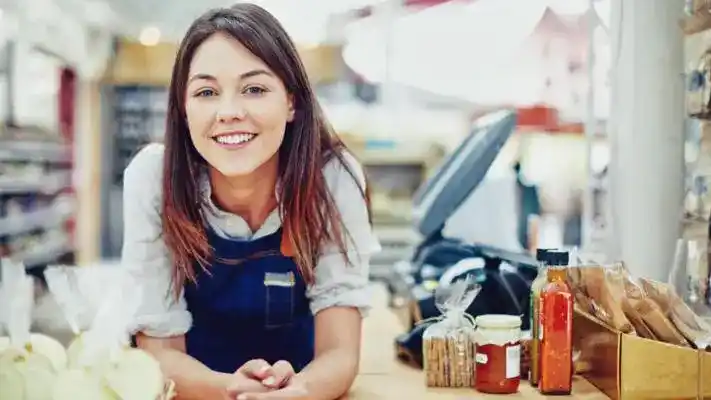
(242, 397)
(264, 369)
(269, 381)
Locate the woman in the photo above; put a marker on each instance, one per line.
(249, 230)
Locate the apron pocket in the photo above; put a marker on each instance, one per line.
(279, 291)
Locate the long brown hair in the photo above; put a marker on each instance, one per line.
(308, 212)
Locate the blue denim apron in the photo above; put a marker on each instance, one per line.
(250, 304)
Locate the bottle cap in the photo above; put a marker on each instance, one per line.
(563, 258)
(541, 255)
(558, 258)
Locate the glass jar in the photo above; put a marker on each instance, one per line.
(498, 354)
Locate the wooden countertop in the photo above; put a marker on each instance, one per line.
(382, 377)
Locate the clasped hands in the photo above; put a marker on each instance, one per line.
(258, 380)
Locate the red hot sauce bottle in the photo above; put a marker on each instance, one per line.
(556, 314)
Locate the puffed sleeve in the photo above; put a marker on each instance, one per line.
(144, 253)
(338, 283)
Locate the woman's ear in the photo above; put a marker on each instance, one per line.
(292, 109)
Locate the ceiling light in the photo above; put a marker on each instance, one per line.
(150, 36)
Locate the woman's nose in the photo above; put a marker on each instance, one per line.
(231, 109)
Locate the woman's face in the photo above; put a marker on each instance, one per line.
(237, 108)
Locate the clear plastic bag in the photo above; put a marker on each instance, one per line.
(599, 290)
(688, 324)
(29, 362)
(18, 303)
(449, 343)
(100, 304)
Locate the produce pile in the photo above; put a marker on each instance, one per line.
(99, 363)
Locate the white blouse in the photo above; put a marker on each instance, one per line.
(144, 253)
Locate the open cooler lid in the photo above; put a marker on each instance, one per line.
(437, 199)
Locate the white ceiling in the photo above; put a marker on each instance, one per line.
(306, 20)
(171, 17)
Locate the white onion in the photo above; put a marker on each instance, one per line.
(77, 384)
(135, 375)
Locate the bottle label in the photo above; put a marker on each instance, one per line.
(513, 361)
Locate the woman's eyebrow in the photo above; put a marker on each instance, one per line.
(245, 75)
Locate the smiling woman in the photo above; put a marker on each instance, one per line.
(254, 217)
(234, 104)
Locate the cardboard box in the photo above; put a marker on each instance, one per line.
(627, 367)
(704, 375)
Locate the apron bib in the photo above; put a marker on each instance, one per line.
(250, 304)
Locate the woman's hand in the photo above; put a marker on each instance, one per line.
(278, 375)
(257, 376)
(294, 389)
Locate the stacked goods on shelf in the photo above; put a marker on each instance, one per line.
(697, 202)
(36, 202)
(99, 364)
(36, 161)
(697, 209)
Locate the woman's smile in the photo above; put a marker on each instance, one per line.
(234, 140)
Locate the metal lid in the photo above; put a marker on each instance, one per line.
(438, 198)
(498, 321)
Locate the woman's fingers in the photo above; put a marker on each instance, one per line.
(243, 384)
(281, 373)
(257, 369)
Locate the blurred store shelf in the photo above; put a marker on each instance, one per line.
(49, 217)
(42, 151)
(35, 183)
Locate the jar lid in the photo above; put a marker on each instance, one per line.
(498, 321)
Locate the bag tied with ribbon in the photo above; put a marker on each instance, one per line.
(448, 344)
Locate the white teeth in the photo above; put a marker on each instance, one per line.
(235, 139)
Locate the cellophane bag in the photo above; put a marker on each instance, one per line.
(28, 362)
(449, 345)
(688, 324)
(17, 290)
(100, 304)
(599, 290)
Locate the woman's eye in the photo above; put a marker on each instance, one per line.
(205, 93)
(254, 90)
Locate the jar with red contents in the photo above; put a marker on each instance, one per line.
(498, 354)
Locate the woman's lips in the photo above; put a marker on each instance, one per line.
(236, 140)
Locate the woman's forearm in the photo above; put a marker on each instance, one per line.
(192, 379)
(330, 375)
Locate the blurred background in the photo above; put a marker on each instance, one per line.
(605, 147)
(83, 86)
